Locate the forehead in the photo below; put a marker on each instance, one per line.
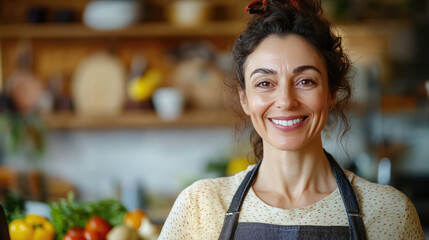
(284, 52)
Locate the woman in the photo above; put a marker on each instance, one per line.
(291, 72)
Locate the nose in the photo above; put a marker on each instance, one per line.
(286, 98)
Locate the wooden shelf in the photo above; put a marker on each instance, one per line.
(163, 29)
(147, 119)
(157, 29)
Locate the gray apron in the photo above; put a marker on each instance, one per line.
(232, 229)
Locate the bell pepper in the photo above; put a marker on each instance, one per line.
(33, 227)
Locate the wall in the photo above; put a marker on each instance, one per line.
(157, 158)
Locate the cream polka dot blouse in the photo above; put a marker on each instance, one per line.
(199, 211)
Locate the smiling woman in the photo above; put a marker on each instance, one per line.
(287, 94)
(291, 73)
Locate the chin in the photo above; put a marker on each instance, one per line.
(291, 145)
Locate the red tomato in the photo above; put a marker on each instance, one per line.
(92, 235)
(70, 237)
(75, 233)
(99, 225)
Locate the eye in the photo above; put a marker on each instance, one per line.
(264, 84)
(307, 83)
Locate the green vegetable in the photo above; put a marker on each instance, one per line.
(14, 207)
(67, 213)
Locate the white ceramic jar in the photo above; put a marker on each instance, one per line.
(111, 14)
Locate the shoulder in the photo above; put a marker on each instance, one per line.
(210, 194)
(223, 187)
(199, 209)
(374, 195)
(386, 211)
(374, 192)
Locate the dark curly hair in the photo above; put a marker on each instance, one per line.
(304, 18)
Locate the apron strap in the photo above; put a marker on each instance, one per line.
(350, 200)
(231, 217)
(357, 228)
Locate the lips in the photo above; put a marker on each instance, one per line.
(288, 122)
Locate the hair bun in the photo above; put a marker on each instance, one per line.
(263, 6)
(257, 6)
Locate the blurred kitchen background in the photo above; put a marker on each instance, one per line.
(125, 99)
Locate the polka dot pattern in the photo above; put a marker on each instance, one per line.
(199, 211)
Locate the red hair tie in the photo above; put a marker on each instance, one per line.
(256, 6)
(261, 5)
(295, 3)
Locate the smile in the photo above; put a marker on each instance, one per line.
(288, 123)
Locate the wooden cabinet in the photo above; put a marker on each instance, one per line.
(58, 48)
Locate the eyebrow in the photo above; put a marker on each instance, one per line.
(263, 71)
(295, 70)
(304, 68)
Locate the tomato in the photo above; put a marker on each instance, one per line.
(75, 233)
(134, 219)
(70, 237)
(92, 235)
(99, 225)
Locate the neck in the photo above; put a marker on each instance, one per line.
(295, 175)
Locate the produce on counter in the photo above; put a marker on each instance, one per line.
(101, 220)
(92, 235)
(123, 232)
(98, 225)
(14, 207)
(134, 218)
(147, 230)
(67, 214)
(140, 221)
(75, 233)
(33, 227)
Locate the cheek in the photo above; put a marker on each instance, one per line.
(259, 102)
(318, 102)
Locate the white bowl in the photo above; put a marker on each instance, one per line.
(111, 14)
(168, 103)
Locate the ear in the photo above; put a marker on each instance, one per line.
(243, 100)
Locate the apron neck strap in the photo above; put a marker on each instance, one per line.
(350, 200)
(231, 216)
(346, 190)
(246, 184)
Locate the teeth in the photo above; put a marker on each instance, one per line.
(288, 123)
